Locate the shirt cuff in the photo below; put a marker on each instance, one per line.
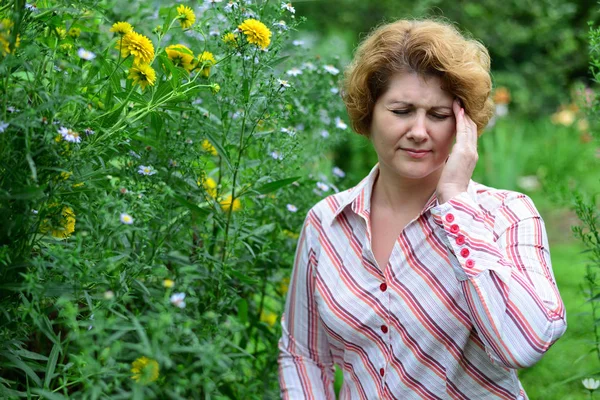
(469, 238)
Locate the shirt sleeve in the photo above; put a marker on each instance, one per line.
(506, 276)
(306, 368)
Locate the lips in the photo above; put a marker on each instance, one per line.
(416, 151)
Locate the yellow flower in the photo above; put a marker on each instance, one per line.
(230, 38)
(256, 32)
(209, 185)
(145, 370)
(290, 234)
(268, 317)
(142, 75)
(121, 28)
(66, 47)
(76, 185)
(74, 32)
(564, 117)
(283, 285)
(207, 146)
(62, 32)
(215, 88)
(6, 25)
(206, 60)
(61, 224)
(180, 56)
(168, 283)
(186, 16)
(226, 204)
(137, 45)
(65, 175)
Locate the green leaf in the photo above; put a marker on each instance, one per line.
(278, 61)
(219, 148)
(242, 306)
(50, 367)
(112, 117)
(156, 121)
(162, 91)
(46, 394)
(272, 186)
(191, 206)
(24, 367)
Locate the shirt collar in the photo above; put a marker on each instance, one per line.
(360, 197)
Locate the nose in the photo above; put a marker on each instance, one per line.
(418, 130)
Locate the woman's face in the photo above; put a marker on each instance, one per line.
(414, 113)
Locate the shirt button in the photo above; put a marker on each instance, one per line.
(460, 240)
(381, 371)
(454, 228)
(465, 253)
(450, 218)
(383, 287)
(470, 263)
(384, 329)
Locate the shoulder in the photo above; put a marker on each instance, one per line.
(325, 209)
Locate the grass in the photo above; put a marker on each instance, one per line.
(558, 375)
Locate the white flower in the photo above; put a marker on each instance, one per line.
(298, 42)
(501, 110)
(292, 208)
(3, 126)
(109, 295)
(134, 154)
(288, 6)
(324, 133)
(146, 170)
(11, 109)
(214, 32)
(230, 6)
(280, 25)
(189, 141)
(289, 131)
(283, 83)
(178, 299)
(322, 186)
(530, 182)
(85, 54)
(31, 7)
(309, 66)
(69, 135)
(334, 90)
(276, 155)
(591, 384)
(339, 123)
(89, 131)
(126, 219)
(294, 72)
(338, 172)
(331, 69)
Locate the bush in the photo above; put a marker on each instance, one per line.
(152, 185)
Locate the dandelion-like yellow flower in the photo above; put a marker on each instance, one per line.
(186, 16)
(230, 39)
(168, 283)
(214, 88)
(206, 60)
(209, 185)
(121, 28)
(268, 317)
(180, 56)
(60, 226)
(74, 32)
(137, 45)
(145, 370)
(256, 32)
(142, 75)
(208, 147)
(227, 204)
(5, 27)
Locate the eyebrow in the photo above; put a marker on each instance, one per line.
(404, 103)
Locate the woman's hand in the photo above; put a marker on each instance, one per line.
(462, 160)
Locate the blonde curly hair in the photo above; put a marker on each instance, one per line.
(427, 47)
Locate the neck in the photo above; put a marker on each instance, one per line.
(399, 194)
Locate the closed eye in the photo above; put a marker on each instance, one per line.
(404, 112)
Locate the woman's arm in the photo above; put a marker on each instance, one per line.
(305, 362)
(506, 276)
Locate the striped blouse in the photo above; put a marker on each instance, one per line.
(467, 297)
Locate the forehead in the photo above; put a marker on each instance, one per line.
(419, 90)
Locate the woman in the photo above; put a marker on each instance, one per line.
(419, 282)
